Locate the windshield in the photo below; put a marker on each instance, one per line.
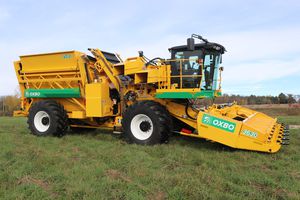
(211, 65)
(187, 64)
(189, 60)
(192, 71)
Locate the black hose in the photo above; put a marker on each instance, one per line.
(151, 61)
(186, 110)
(87, 73)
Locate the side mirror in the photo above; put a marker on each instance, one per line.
(191, 44)
(221, 69)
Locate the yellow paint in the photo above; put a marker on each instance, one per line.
(98, 102)
(216, 134)
(134, 65)
(77, 115)
(66, 60)
(178, 111)
(118, 121)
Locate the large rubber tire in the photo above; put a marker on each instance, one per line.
(167, 117)
(146, 123)
(47, 117)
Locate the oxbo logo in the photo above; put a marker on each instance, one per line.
(32, 94)
(206, 119)
(223, 124)
(218, 123)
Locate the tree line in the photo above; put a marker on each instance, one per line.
(10, 103)
(254, 100)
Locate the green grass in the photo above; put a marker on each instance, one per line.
(102, 166)
(293, 120)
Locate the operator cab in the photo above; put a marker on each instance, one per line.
(196, 65)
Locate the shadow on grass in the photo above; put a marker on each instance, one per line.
(178, 140)
(199, 143)
(93, 133)
(89, 131)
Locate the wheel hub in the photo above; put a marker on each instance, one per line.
(145, 126)
(45, 121)
(141, 127)
(41, 121)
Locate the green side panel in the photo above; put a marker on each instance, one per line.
(53, 93)
(218, 123)
(187, 95)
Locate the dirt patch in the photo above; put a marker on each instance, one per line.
(75, 149)
(294, 126)
(31, 180)
(115, 174)
(157, 196)
(42, 184)
(295, 174)
(280, 193)
(259, 187)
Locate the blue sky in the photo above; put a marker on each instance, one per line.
(262, 38)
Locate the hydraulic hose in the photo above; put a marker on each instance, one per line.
(151, 61)
(186, 110)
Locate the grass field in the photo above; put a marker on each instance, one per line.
(101, 166)
(293, 120)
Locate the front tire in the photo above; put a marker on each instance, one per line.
(47, 117)
(145, 122)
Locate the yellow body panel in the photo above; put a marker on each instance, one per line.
(77, 115)
(98, 102)
(58, 61)
(140, 77)
(134, 65)
(216, 134)
(178, 111)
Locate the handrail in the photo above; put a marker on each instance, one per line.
(181, 76)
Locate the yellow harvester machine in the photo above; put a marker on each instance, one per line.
(145, 100)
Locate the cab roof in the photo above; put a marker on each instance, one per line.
(207, 46)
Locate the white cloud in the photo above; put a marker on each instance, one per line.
(257, 56)
(244, 89)
(256, 45)
(159, 48)
(261, 70)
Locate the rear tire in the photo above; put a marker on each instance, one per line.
(47, 117)
(147, 123)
